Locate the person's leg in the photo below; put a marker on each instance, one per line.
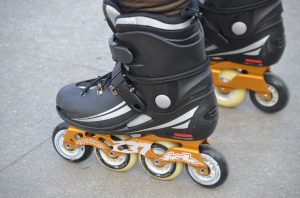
(166, 7)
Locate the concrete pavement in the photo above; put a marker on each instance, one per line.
(47, 44)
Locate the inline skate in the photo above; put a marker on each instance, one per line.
(243, 38)
(157, 105)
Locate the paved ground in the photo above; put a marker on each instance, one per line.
(46, 44)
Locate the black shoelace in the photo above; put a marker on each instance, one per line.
(98, 81)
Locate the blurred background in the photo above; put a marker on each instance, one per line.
(46, 44)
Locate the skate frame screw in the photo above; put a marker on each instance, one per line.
(202, 170)
(157, 162)
(111, 153)
(68, 146)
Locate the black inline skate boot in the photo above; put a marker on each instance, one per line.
(157, 102)
(244, 38)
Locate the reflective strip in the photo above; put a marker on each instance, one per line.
(253, 53)
(145, 21)
(106, 112)
(211, 48)
(182, 126)
(112, 14)
(182, 135)
(251, 47)
(108, 116)
(253, 61)
(141, 119)
(176, 121)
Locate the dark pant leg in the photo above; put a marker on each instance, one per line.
(166, 7)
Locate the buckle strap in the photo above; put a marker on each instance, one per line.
(166, 79)
(120, 86)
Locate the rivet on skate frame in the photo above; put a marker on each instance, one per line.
(111, 153)
(202, 171)
(68, 146)
(157, 162)
(266, 96)
(224, 90)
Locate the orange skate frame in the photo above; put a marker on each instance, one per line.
(186, 152)
(250, 77)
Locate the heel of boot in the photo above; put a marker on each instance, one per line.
(205, 118)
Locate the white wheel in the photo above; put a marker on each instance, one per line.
(218, 170)
(234, 97)
(122, 163)
(167, 172)
(75, 155)
(214, 171)
(279, 95)
(268, 103)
